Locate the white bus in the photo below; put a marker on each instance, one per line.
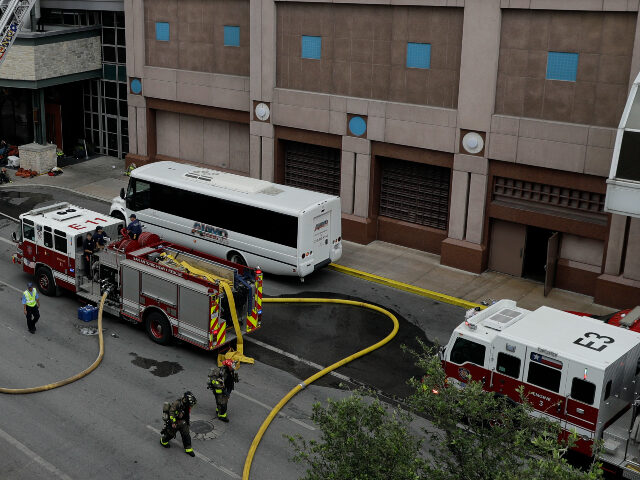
(282, 229)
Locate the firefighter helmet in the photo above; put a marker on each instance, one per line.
(229, 363)
(190, 399)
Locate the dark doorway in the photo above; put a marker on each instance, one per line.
(535, 253)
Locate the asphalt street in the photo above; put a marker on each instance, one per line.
(105, 425)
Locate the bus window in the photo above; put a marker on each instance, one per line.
(467, 351)
(583, 391)
(28, 232)
(139, 195)
(508, 365)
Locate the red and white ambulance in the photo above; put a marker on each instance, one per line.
(578, 371)
(50, 243)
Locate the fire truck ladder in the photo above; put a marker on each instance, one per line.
(13, 15)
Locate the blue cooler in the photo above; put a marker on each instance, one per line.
(84, 313)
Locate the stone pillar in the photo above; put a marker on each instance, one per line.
(262, 81)
(476, 98)
(360, 150)
(40, 158)
(134, 37)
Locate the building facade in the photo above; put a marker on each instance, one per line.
(478, 130)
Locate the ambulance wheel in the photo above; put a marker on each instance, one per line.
(158, 328)
(235, 257)
(45, 282)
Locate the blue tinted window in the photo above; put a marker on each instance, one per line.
(231, 36)
(418, 55)
(562, 66)
(162, 31)
(311, 47)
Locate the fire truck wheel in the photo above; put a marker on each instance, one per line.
(117, 214)
(235, 257)
(45, 282)
(158, 328)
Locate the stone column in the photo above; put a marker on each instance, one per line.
(476, 98)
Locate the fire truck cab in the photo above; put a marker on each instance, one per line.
(575, 370)
(50, 243)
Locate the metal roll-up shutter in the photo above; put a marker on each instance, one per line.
(415, 193)
(312, 167)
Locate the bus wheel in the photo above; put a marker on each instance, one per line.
(235, 257)
(44, 280)
(158, 328)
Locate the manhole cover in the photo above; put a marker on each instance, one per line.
(84, 329)
(205, 428)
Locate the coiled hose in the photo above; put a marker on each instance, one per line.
(263, 428)
(84, 373)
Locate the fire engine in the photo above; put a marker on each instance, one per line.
(575, 370)
(174, 291)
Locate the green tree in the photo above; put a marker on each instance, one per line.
(360, 440)
(477, 435)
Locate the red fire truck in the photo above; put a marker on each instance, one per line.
(174, 291)
(575, 370)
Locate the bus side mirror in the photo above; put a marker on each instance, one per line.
(14, 237)
(122, 193)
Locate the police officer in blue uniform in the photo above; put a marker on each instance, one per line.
(135, 227)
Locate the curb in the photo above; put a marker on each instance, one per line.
(441, 297)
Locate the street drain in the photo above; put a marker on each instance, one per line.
(205, 429)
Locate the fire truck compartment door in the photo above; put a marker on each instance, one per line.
(194, 314)
(130, 290)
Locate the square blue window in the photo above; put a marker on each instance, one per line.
(418, 55)
(562, 66)
(162, 31)
(311, 47)
(231, 36)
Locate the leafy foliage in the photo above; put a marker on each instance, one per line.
(477, 435)
(360, 440)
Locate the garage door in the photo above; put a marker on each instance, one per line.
(415, 193)
(312, 167)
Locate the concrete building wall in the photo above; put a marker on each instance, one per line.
(364, 51)
(50, 60)
(604, 41)
(205, 141)
(196, 31)
(487, 76)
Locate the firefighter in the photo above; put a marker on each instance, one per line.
(222, 382)
(88, 247)
(134, 228)
(176, 417)
(99, 237)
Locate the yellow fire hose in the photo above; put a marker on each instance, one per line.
(313, 378)
(78, 376)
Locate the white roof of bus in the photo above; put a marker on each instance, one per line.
(251, 191)
(71, 219)
(557, 331)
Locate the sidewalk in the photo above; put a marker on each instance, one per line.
(103, 178)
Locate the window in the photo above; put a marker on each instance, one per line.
(28, 232)
(583, 391)
(231, 36)
(467, 351)
(138, 195)
(60, 241)
(562, 66)
(252, 221)
(607, 390)
(543, 376)
(311, 47)
(162, 31)
(48, 237)
(508, 365)
(418, 55)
